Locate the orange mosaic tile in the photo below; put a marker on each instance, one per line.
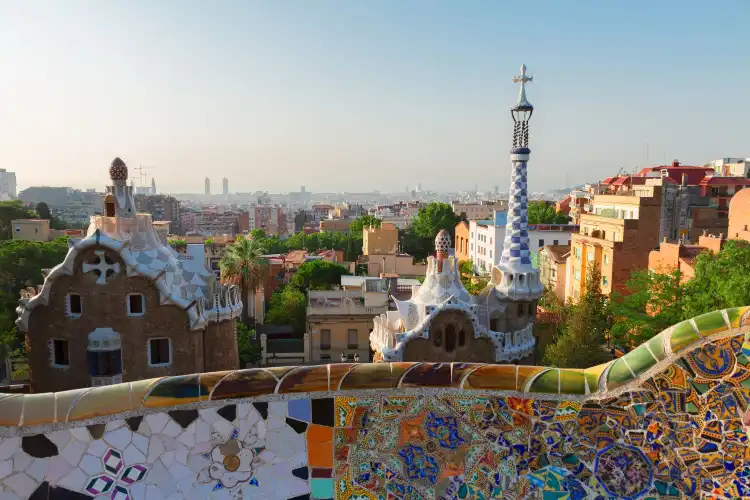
(305, 379)
(372, 375)
(89, 405)
(319, 434)
(492, 377)
(12, 409)
(337, 373)
(245, 384)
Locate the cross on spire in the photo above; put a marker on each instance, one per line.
(523, 79)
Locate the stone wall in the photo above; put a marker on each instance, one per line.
(664, 421)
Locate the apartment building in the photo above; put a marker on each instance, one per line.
(709, 211)
(486, 240)
(161, 208)
(731, 167)
(461, 244)
(616, 238)
(552, 262)
(380, 240)
(479, 211)
(681, 256)
(339, 322)
(7, 185)
(739, 216)
(335, 225)
(217, 222)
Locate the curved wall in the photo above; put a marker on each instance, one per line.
(664, 421)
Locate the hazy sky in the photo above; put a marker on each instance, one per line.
(358, 95)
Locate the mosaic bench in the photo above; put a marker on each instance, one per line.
(663, 421)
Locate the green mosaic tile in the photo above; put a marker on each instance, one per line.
(710, 323)
(618, 375)
(547, 382)
(572, 382)
(682, 336)
(735, 315)
(656, 345)
(640, 360)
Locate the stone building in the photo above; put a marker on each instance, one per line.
(122, 307)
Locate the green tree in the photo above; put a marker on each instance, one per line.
(581, 344)
(319, 275)
(243, 264)
(248, 347)
(560, 218)
(431, 219)
(42, 210)
(288, 306)
(363, 221)
(257, 234)
(653, 303)
(10, 210)
(466, 268)
(719, 281)
(21, 264)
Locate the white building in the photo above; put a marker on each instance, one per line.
(731, 167)
(486, 240)
(7, 185)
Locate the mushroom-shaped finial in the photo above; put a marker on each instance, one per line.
(118, 171)
(442, 242)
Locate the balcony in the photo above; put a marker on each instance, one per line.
(343, 302)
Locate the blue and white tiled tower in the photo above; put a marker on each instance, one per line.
(519, 280)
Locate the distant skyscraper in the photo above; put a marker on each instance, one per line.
(208, 186)
(225, 186)
(7, 185)
(302, 189)
(153, 186)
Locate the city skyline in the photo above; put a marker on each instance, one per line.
(344, 97)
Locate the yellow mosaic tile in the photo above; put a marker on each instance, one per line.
(100, 401)
(38, 409)
(12, 409)
(65, 400)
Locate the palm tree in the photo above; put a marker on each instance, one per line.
(243, 264)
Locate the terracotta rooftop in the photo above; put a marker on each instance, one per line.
(558, 252)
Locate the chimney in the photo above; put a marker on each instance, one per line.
(675, 163)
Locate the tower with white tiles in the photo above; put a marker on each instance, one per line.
(515, 277)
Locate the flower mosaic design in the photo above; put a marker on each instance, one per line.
(232, 464)
(117, 477)
(624, 471)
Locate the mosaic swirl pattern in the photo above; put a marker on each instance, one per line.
(665, 421)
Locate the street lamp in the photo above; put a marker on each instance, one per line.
(343, 357)
(356, 357)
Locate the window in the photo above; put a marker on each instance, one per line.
(605, 281)
(60, 356)
(490, 254)
(325, 339)
(325, 357)
(450, 338)
(590, 255)
(541, 243)
(520, 309)
(351, 339)
(490, 241)
(75, 307)
(606, 258)
(159, 352)
(461, 338)
(105, 363)
(555, 242)
(136, 304)
(577, 275)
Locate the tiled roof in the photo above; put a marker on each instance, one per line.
(725, 181)
(599, 382)
(558, 252)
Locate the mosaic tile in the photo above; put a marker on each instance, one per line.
(245, 384)
(305, 379)
(374, 375)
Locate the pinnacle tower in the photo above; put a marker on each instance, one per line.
(520, 281)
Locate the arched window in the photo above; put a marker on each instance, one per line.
(461, 338)
(109, 206)
(520, 310)
(450, 338)
(438, 339)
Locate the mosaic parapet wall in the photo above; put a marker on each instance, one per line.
(664, 421)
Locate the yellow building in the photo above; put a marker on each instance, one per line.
(616, 239)
(31, 229)
(340, 321)
(380, 240)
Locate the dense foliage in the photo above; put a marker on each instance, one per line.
(419, 240)
(582, 341)
(540, 212)
(318, 275)
(248, 346)
(21, 264)
(655, 301)
(350, 244)
(288, 306)
(363, 221)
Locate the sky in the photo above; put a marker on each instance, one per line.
(355, 95)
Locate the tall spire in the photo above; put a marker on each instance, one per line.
(519, 279)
